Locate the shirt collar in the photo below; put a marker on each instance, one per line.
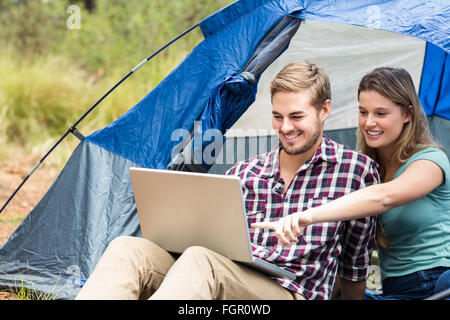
(273, 165)
(326, 151)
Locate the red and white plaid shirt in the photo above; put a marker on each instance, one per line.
(332, 172)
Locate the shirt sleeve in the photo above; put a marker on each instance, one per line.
(359, 238)
(235, 170)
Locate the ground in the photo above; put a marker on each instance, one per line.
(11, 175)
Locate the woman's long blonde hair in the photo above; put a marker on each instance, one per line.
(396, 85)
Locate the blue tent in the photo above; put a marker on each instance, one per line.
(91, 202)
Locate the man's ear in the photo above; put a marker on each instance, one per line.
(325, 111)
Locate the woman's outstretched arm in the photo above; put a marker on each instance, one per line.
(420, 178)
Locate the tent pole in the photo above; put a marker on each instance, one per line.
(73, 127)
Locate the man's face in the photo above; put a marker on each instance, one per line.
(298, 123)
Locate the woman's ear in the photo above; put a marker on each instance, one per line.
(408, 113)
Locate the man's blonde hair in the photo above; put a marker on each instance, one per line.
(299, 76)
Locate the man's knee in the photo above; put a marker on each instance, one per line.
(126, 246)
(122, 240)
(125, 242)
(198, 252)
(199, 258)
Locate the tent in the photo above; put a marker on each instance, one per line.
(221, 87)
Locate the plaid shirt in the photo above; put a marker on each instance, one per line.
(333, 171)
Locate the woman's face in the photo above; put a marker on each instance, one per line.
(380, 120)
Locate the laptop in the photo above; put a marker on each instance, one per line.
(178, 210)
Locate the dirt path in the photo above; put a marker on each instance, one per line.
(11, 175)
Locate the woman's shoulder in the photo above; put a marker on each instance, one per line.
(434, 154)
(430, 153)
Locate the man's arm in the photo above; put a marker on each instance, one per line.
(351, 290)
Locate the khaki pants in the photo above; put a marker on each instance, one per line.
(135, 268)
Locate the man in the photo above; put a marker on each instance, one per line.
(307, 170)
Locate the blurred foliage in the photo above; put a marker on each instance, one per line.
(117, 31)
(51, 74)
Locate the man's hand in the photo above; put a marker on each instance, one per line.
(288, 228)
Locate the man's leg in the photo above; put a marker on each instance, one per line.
(130, 268)
(200, 273)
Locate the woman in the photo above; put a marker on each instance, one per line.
(413, 200)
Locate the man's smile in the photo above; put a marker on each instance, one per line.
(291, 137)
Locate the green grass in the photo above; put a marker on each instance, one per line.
(50, 75)
(26, 290)
(41, 98)
(23, 293)
(11, 220)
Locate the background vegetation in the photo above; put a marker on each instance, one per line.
(51, 74)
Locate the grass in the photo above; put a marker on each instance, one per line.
(11, 220)
(23, 293)
(50, 75)
(26, 291)
(41, 98)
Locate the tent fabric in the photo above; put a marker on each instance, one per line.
(181, 97)
(434, 91)
(227, 102)
(440, 128)
(58, 244)
(346, 53)
(143, 134)
(91, 202)
(233, 13)
(410, 17)
(230, 99)
(429, 22)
